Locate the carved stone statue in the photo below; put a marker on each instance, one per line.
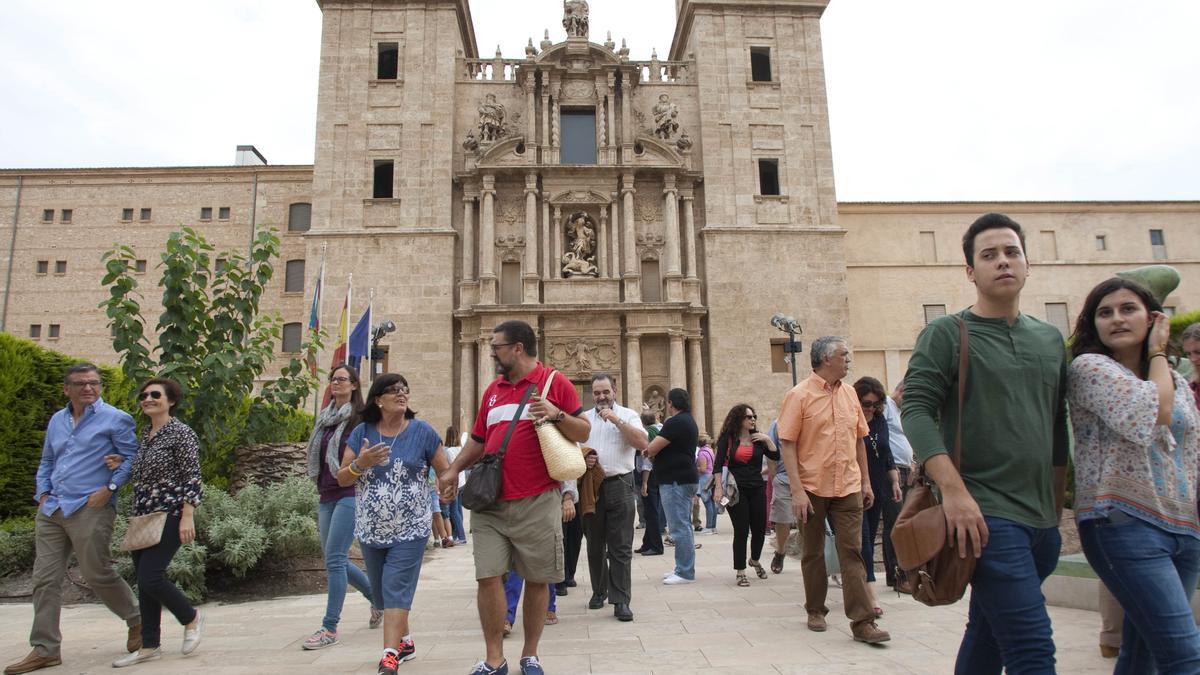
(684, 142)
(575, 18)
(491, 119)
(581, 351)
(655, 403)
(471, 144)
(665, 113)
(580, 258)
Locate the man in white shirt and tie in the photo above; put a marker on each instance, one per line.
(617, 435)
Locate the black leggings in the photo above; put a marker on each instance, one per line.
(749, 516)
(155, 590)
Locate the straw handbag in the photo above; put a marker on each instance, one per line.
(564, 461)
(144, 531)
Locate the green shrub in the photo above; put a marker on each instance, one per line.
(31, 391)
(16, 546)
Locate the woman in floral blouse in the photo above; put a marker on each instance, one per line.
(1137, 433)
(165, 477)
(387, 457)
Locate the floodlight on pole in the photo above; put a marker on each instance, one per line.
(789, 325)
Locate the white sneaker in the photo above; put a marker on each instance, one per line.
(137, 657)
(674, 580)
(191, 636)
(668, 574)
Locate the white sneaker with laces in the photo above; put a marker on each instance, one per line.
(675, 580)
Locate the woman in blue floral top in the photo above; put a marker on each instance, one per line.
(1136, 442)
(166, 478)
(387, 457)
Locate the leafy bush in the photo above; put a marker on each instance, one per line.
(16, 546)
(31, 391)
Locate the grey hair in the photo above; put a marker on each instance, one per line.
(603, 375)
(1192, 332)
(79, 368)
(822, 348)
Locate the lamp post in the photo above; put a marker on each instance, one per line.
(377, 333)
(793, 346)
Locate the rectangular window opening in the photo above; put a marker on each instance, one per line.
(47, 215)
(145, 215)
(126, 215)
(578, 136)
(60, 266)
(223, 213)
(389, 61)
(1101, 242)
(760, 64)
(291, 338)
(66, 215)
(652, 283)
(933, 311)
(1158, 245)
(205, 213)
(55, 331)
(299, 217)
(139, 266)
(1056, 315)
(43, 266)
(928, 247)
(510, 283)
(1049, 245)
(385, 171)
(293, 281)
(768, 176)
(35, 331)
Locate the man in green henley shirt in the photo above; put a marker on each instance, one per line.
(1003, 505)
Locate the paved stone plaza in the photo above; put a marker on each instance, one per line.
(710, 626)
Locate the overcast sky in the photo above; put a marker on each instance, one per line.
(931, 99)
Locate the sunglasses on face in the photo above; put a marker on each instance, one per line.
(395, 390)
(156, 394)
(878, 405)
(339, 379)
(751, 417)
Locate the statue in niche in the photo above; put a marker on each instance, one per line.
(575, 18)
(665, 113)
(655, 403)
(580, 258)
(491, 119)
(581, 352)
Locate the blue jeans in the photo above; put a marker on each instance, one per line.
(335, 523)
(677, 506)
(1153, 573)
(710, 508)
(452, 512)
(1007, 623)
(513, 585)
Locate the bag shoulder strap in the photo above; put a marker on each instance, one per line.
(963, 360)
(516, 418)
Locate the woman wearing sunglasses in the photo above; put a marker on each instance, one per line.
(885, 477)
(740, 450)
(165, 477)
(387, 458)
(335, 515)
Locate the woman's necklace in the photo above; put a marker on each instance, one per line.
(403, 426)
(874, 438)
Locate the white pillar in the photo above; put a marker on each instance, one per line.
(633, 371)
(531, 224)
(627, 192)
(696, 382)
(487, 234)
(556, 243)
(671, 222)
(487, 368)
(468, 236)
(602, 244)
(545, 237)
(678, 367)
(615, 248)
(689, 232)
(468, 400)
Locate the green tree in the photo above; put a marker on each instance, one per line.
(212, 339)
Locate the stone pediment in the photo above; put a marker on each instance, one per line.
(506, 152)
(655, 152)
(578, 56)
(580, 197)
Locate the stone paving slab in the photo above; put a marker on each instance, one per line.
(711, 626)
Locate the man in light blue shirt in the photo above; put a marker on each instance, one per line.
(76, 496)
(902, 453)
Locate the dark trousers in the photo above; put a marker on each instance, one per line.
(572, 541)
(891, 511)
(872, 518)
(749, 518)
(610, 539)
(155, 590)
(652, 535)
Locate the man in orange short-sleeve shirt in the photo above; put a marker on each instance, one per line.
(821, 428)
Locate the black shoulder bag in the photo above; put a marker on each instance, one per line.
(482, 488)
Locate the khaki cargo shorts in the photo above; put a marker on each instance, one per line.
(781, 503)
(521, 534)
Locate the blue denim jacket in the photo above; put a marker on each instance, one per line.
(72, 465)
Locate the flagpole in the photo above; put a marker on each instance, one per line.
(320, 304)
(370, 342)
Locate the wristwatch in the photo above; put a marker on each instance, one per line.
(561, 416)
(113, 487)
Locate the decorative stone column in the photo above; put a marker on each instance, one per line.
(467, 397)
(689, 230)
(696, 382)
(612, 131)
(545, 237)
(487, 368)
(677, 366)
(632, 276)
(626, 118)
(615, 248)
(555, 243)
(633, 371)
(468, 235)
(487, 241)
(602, 245)
(544, 141)
(530, 276)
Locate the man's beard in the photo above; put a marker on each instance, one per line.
(604, 405)
(502, 369)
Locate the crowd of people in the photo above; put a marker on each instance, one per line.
(835, 464)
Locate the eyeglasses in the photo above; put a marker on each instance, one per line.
(395, 390)
(496, 346)
(94, 384)
(751, 417)
(155, 394)
(877, 405)
(339, 379)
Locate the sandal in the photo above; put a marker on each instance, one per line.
(741, 579)
(777, 563)
(758, 569)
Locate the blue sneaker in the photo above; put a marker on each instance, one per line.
(482, 668)
(530, 666)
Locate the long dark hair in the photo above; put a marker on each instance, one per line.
(371, 414)
(356, 397)
(732, 425)
(1086, 339)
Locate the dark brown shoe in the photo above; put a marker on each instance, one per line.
(870, 633)
(31, 663)
(816, 622)
(133, 641)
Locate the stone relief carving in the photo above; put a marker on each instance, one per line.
(647, 209)
(575, 90)
(491, 120)
(649, 246)
(575, 18)
(510, 211)
(580, 258)
(510, 247)
(580, 357)
(665, 112)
